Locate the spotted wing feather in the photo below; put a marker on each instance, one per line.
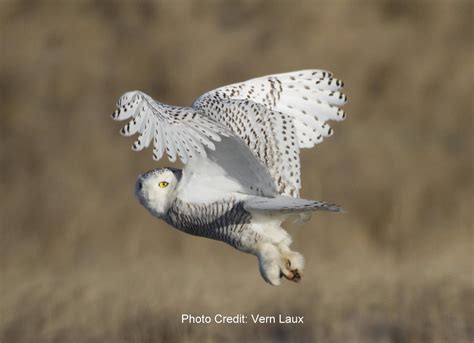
(270, 135)
(178, 132)
(277, 115)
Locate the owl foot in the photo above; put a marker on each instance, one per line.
(292, 264)
(276, 262)
(268, 257)
(292, 274)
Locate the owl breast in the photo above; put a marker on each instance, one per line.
(225, 220)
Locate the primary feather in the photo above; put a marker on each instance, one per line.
(181, 132)
(277, 115)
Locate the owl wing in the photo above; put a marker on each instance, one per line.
(277, 115)
(177, 131)
(272, 117)
(213, 153)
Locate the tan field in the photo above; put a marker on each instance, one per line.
(82, 261)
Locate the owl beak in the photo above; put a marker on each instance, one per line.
(138, 186)
(178, 173)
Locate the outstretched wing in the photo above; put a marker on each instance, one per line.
(182, 132)
(187, 133)
(276, 115)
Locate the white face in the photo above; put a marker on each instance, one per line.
(156, 189)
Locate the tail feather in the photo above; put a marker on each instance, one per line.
(284, 204)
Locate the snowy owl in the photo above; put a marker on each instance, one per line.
(240, 146)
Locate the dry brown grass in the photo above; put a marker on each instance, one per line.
(81, 261)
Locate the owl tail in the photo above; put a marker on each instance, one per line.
(288, 205)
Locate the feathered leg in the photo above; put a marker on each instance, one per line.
(293, 263)
(277, 260)
(269, 263)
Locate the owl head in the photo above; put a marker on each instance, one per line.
(156, 189)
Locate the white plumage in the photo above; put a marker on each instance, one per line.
(240, 144)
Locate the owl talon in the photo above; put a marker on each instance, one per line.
(293, 275)
(291, 265)
(296, 276)
(290, 274)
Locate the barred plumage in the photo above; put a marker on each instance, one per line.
(225, 220)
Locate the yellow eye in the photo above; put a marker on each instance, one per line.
(163, 184)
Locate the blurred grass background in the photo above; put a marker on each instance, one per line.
(82, 261)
